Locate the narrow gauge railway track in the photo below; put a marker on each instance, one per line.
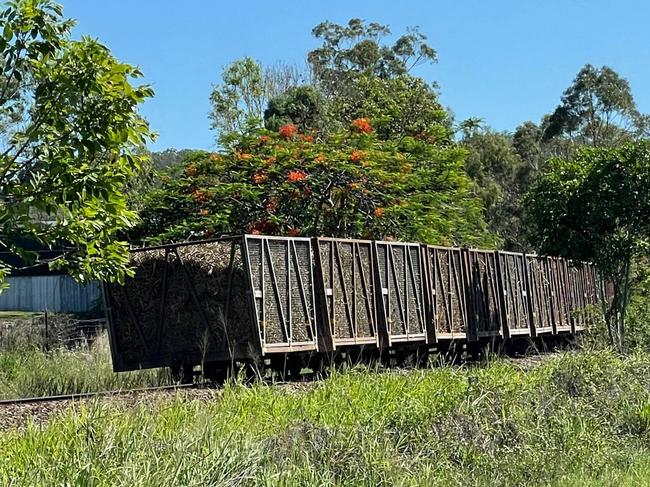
(306, 378)
(18, 413)
(90, 395)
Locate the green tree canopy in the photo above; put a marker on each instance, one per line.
(356, 49)
(496, 168)
(350, 184)
(361, 76)
(245, 90)
(596, 207)
(598, 109)
(72, 138)
(354, 74)
(302, 106)
(401, 106)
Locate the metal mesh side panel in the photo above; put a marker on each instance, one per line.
(343, 315)
(302, 322)
(540, 292)
(188, 302)
(254, 248)
(415, 298)
(400, 277)
(442, 311)
(365, 307)
(349, 288)
(515, 291)
(135, 309)
(281, 274)
(274, 305)
(397, 272)
(558, 293)
(484, 289)
(383, 281)
(445, 269)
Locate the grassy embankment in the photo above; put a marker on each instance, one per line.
(577, 419)
(26, 370)
(31, 372)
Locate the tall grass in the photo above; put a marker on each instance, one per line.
(31, 372)
(578, 419)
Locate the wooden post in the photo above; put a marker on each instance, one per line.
(47, 334)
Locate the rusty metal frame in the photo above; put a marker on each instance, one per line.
(259, 298)
(389, 286)
(478, 295)
(453, 285)
(540, 307)
(485, 294)
(515, 286)
(329, 261)
(152, 355)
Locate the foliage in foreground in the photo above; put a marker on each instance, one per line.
(71, 141)
(579, 419)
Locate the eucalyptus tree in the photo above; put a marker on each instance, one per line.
(597, 110)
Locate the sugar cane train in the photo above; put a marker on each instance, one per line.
(285, 303)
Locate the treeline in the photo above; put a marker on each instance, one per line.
(597, 110)
(357, 145)
(354, 75)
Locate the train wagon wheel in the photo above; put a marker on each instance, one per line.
(182, 373)
(217, 372)
(295, 366)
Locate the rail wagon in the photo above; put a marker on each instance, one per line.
(289, 302)
(346, 274)
(401, 285)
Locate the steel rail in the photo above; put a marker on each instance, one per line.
(86, 395)
(305, 378)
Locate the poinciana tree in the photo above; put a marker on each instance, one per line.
(350, 184)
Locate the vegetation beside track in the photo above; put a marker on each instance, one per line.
(30, 372)
(580, 418)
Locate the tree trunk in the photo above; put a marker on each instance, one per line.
(625, 298)
(611, 317)
(615, 316)
(606, 312)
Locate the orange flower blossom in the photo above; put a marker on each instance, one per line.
(356, 156)
(289, 130)
(362, 125)
(259, 177)
(296, 175)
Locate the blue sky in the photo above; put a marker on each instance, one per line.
(503, 61)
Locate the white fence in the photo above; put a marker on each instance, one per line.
(58, 293)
